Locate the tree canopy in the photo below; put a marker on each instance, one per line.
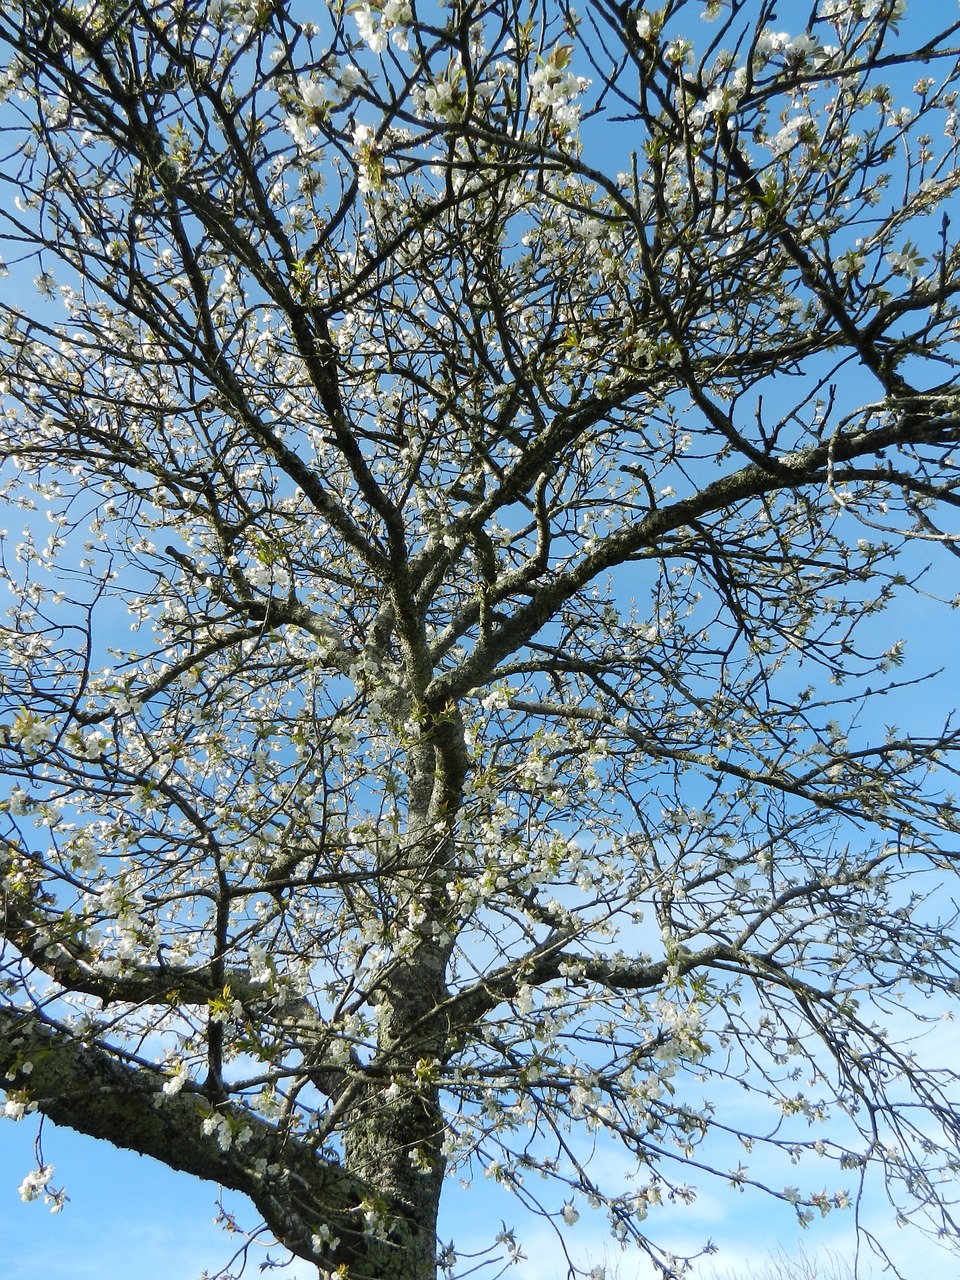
(514, 436)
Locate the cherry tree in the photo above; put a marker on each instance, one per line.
(468, 469)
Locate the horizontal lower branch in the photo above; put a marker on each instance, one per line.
(87, 1088)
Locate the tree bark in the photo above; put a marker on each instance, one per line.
(301, 1194)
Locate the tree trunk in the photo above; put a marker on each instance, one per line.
(394, 1137)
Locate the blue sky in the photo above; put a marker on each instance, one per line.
(129, 1216)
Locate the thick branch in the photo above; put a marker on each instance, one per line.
(86, 1088)
(69, 962)
(930, 421)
